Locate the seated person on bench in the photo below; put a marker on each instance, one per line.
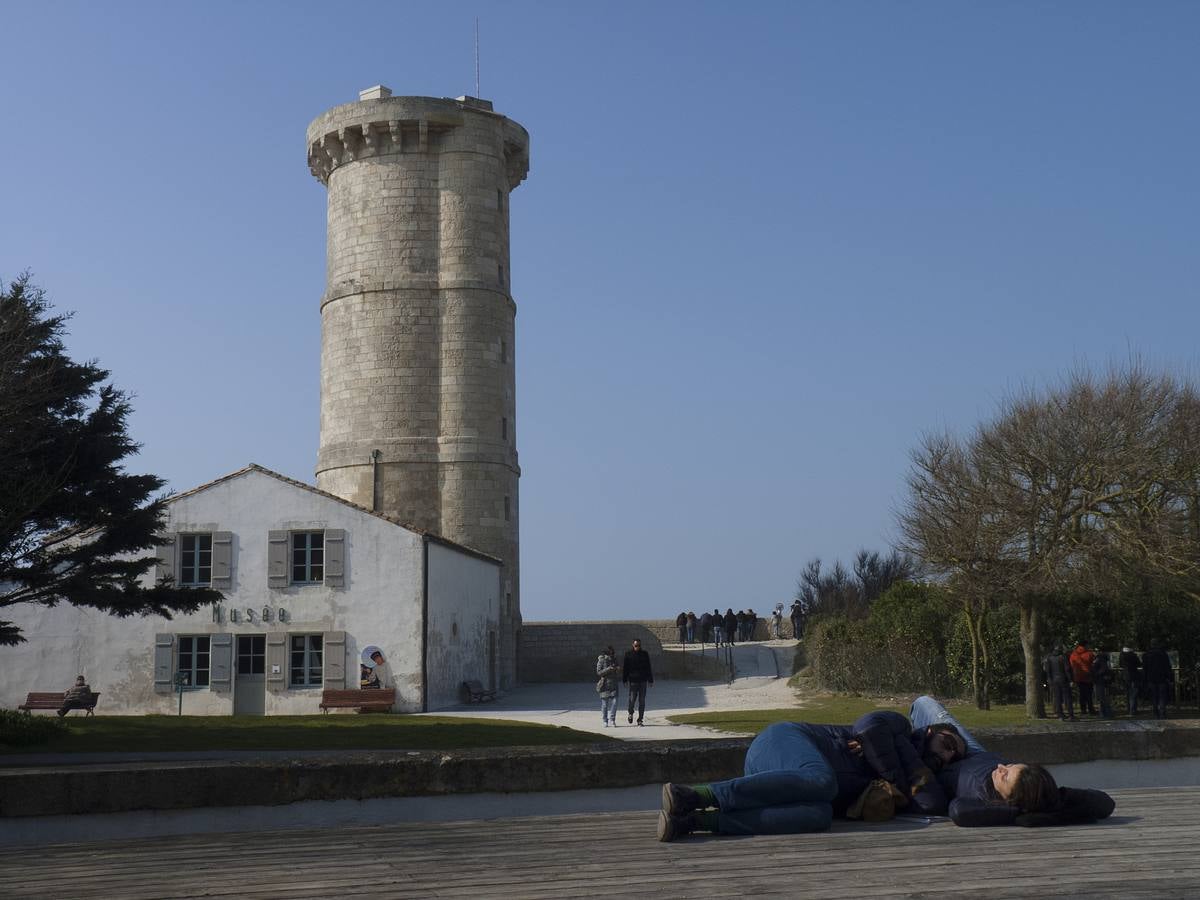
(78, 697)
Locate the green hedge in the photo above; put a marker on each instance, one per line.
(20, 730)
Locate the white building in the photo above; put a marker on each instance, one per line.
(319, 594)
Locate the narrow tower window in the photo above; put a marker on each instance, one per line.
(503, 350)
(500, 272)
(507, 509)
(504, 428)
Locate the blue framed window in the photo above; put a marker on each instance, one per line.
(306, 660)
(195, 560)
(194, 660)
(308, 557)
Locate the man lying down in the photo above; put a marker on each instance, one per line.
(800, 776)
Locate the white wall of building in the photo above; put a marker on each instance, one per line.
(380, 605)
(464, 623)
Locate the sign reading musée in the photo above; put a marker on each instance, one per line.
(320, 595)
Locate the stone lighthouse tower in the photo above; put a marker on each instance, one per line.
(418, 405)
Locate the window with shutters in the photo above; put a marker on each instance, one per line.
(194, 660)
(307, 654)
(195, 560)
(308, 557)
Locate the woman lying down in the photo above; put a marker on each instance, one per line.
(800, 776)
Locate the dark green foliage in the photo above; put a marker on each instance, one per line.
(20, 730)
(898, 647)
(72, 521)
(1005, 665)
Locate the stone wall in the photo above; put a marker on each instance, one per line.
(566, 651)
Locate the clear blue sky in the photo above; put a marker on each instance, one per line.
(758, 252)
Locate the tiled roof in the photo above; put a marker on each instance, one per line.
(262, 470)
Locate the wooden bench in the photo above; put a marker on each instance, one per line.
(371, 699)
(476, 692)
(54, 700)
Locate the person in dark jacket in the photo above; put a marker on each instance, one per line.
(636, 672)
(78, 696)
(705, 627)
(1058, 677)
(731, 624)
(1131, 665)
(1159, 676)
(799, 776)
(681, 625)
(797, 616)
(691, 627)
(718, 627)
(1102, 677)
(985, 789)
(751, 623)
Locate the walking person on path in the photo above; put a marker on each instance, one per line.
(636, 673)
(607, 685)
(777, 623)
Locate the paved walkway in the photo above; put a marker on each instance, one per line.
(1147, 849)
(576, 705)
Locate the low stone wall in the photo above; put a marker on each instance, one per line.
(364, 775)
(567, 651)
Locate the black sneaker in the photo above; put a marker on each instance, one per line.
(672, 827)
(631, 718)
(678, 799)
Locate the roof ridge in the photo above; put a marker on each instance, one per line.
(312, 489)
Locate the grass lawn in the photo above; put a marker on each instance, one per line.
(842, 710)
(321, 732)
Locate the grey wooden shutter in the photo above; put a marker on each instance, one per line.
(221, 662)
(334, 652)
(222, 560)
(335, 557)
(277, 672)
(164, 663)
(277, 559)
(164, 566)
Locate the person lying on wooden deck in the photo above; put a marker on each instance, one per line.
(798, 776)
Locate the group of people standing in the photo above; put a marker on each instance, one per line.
(733, 627)
(1091, 674)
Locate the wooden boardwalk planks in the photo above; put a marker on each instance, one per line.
(1150, 848)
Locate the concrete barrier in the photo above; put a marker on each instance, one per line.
(363, 775)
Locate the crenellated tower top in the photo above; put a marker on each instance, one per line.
(380, 125)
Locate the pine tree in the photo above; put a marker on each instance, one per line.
(74, 526)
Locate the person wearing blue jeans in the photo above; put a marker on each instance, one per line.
(797, 777)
